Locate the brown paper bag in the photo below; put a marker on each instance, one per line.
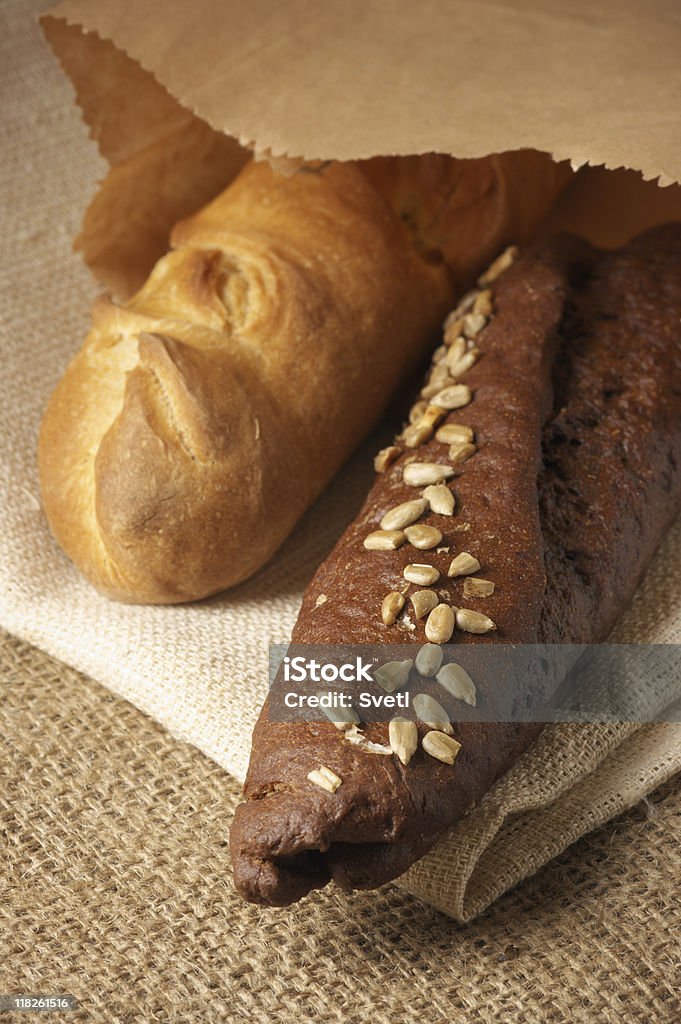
(169, 92)
(175, 95)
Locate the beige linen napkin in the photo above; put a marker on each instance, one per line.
(201, 670)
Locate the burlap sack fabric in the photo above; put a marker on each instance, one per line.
(201, 671)
(115, 888)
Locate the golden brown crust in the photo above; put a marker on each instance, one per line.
(173, 457)
(464, 207)
(202, 417)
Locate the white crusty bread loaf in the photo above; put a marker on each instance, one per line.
(203, 416)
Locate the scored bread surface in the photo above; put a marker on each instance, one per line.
(204, 415)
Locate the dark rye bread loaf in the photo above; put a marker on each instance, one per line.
(576, 409)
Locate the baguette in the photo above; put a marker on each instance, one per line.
(575, 476)
(204, 415)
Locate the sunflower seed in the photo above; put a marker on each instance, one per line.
(456, 681)
(475, 587)
(453, 397)
(391, 606)
(384, 540)
(434, 387)
(473, 622)
(422, 430)
(423, 601)
(440, 746)
(457, 349)
(416, 435)
(473, 323)
(418, 474)
(457, 367)
(404, 738)
(483, 303)
(439, 354)
(440, 498)
(440, 624)
(404, 515)
(500, 264)
(356, 736)
(432, 713)
(393, 675)
(455, 433)
(433, 415)
(385, 458)
(465, 303)
(463, 565)
(342, 718)
(429, 660)
(421, 574)
(417, 410)
(461, 452)
(453, 331)
(325, 779)
(438, 372)
(423, 537)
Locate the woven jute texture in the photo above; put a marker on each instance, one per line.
(116, 889)
(201, 671)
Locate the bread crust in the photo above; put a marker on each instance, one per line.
(204, 415)
(577, 418)
(173, 457)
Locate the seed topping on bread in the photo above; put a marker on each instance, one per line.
(391, 606)
(442, 394)
(441, 746)
(325, 779)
